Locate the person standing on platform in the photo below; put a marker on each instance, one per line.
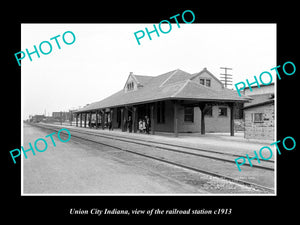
(109, 122)
(124, 124)
(129, 124)
(140, 126)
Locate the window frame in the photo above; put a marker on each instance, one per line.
(209, 82)
(261, 117)
(210, 109)
(187, 115)
(202, 79)
(130, 86)
(220, 108)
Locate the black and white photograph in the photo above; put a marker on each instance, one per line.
(158, 117)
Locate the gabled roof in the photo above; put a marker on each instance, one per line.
(176, 84)
(205, 70)
(193, 90)
(141, 79)
(255, 86)
(176, 76)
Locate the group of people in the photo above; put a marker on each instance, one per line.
(143, 125)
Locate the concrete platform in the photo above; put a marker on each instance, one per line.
(211, 141)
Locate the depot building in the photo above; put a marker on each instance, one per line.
(175, 102)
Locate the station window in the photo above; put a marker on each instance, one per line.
(201, 81)
(257, 117)
(207, 83)
(130, 86)
(222, 111)
(208, 111)
(188, 114)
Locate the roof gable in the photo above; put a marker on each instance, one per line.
(138, 81)
(130, 82)
(205, 72)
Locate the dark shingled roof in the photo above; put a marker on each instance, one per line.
(176, 84)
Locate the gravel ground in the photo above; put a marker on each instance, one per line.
(73, 167)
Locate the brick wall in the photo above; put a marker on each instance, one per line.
(263, 130)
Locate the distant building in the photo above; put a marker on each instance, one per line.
(37, 118)
(63, 116)
(269, 89)
(259, 113)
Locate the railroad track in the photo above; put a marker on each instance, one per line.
(176, 151)
(217, 155)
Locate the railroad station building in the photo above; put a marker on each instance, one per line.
(175, 102)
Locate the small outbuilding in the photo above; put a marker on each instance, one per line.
(260, 117)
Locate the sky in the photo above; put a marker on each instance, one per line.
(98, 63)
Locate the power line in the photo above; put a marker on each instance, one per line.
(226, 78)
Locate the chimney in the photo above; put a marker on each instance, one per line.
(130, 73)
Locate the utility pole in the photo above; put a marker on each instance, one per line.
(61, 118)
(226, 78)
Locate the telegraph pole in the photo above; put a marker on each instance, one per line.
(226, 78)
(61, 118)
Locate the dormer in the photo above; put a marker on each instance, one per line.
(207, 79)
(131, 83)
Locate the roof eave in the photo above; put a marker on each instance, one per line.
(163, 99)
(259, 104)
